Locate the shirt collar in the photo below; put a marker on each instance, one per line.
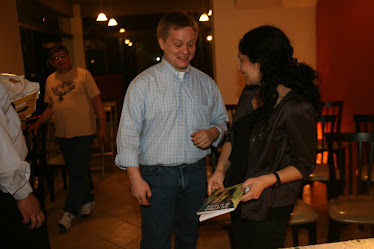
(171, 70)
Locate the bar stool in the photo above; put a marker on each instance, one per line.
(110, 108)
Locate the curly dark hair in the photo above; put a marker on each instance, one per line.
(270, 47)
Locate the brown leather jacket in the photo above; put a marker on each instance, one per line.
(288, 138)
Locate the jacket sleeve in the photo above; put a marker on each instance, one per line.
(302, 137)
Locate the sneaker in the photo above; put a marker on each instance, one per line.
(65, 221)
(87, 208)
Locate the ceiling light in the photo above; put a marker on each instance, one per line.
(209, 38)
(101, 17)
(122, 30)
(204, 18)
(112, 22)
(127, 41)
(130, 44)
(210, 13)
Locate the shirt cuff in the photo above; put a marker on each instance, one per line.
(23, 192)
(124, 163)
(221, 134)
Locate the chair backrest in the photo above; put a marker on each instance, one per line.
(364, 123)
(325, 124)
(333, 108)
(350, 152)
(230, 111)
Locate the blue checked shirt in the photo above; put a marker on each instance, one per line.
(161, 111)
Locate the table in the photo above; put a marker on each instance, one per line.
(357, 243)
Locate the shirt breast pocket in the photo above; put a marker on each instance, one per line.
(200, 116)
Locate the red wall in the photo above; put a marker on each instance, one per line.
(345, 55)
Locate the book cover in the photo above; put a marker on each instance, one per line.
(26, 105)
(221, 202)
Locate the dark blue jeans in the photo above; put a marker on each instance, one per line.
(77, 154)
(177, 193)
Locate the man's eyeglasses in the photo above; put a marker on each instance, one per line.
(56, 58)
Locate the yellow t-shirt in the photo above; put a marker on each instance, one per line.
(70, 95)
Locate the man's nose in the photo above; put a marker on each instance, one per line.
(184, 49)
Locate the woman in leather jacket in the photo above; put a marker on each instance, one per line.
(271, 145)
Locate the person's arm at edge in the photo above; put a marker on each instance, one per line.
(46, 116)
(216, 180)
(139, 188)
(258, 184)
(213, 136)
(100, 113)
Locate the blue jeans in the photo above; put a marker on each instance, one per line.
(177, 193)
(77, 153)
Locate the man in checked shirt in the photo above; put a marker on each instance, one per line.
(171, 115)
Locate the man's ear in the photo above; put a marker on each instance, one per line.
(161, 42)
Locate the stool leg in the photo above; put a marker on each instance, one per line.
(312, 233)
(295, 235)
(90, 179)
(333, 232)
(64, 176)
(50, 182)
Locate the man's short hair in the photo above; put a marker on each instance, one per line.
(175, 20)
(57, 48)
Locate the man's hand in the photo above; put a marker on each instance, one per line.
(33, 129)
(31, 212)
(142, 192)
(139, 188)
(204, 138)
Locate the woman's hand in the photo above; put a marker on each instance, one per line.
(216, 181)
(256, 186)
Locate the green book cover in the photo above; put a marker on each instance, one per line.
(221, 202)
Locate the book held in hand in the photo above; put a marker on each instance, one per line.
(221, 202)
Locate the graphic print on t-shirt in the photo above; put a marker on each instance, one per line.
(62, 89)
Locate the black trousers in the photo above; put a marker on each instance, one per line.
(13, 233)
(268, 234)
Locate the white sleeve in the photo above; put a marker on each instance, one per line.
(14, 171)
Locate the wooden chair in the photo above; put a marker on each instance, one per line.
(54, 160)
(365, 123)
(333, 108)
(108, 149)
(351, 199)
(36, 158)
(303, 216)
(325, 124)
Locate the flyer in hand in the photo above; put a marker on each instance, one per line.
(26, 105)
(221, 202)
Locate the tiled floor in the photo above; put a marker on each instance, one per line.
(116, 221)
